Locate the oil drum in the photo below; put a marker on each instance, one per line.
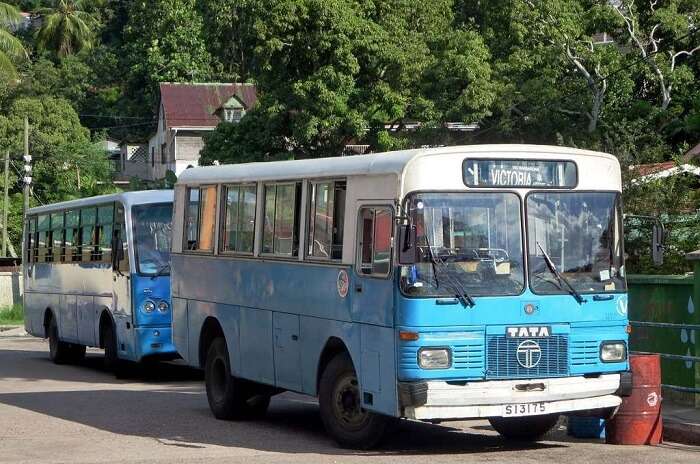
(638, 420)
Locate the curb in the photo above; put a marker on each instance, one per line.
(681, 432)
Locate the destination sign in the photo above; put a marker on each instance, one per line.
(519, 173)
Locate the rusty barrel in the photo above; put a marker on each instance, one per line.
(638, 421)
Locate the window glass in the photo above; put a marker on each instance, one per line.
(239, 224)
(201, 218)
(57, 236)
(31, 239)
(87, 236)
(71, 248)
(471, 240)
(375, 233)
(41, 246)
(119, 235)
(192, 215)
(282, 203)
(105, 218)
(152, 237)
(519, 173)
(326, 220)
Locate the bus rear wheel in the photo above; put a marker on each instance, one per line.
(59, 352)
(230, 398)
(530, 428)
(341, 407)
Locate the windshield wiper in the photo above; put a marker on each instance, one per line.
(163, 270)
(560, 277)
(460, 293)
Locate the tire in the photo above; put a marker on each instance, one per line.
(59, 352)
(340, 406)
(111, 359)
(230, 398)
(524, 428)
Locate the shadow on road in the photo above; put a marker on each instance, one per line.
(173, 410)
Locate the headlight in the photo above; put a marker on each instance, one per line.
(148, 307)
(162, 307)
(613, 352)
(434, 358)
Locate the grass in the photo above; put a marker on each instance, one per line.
(12, 315)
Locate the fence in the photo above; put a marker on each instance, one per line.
(664, 320)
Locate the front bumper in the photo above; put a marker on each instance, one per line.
(155, 342)
(438, 400)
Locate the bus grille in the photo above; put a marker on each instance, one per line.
(502, 361)
(584, 353)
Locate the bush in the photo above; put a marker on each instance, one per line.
(12, 314)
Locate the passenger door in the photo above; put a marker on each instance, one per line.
(372, 289)
(287, 351)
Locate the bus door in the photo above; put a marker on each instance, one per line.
(372, 289)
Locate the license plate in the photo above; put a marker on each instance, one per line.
(524, 409)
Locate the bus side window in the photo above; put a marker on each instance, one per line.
(71, 248)
(281, 219)
(105, 219)
(239, 218)
(200, 218)
(31, 239)
(326, 217)
(375, 232)
(43, 226)
(88, 216)
(56, 236)
(119, 234)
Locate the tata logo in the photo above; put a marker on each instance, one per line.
(528, 354)
(532, 332)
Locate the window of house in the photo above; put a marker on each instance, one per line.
(153, 156)
(281, 219)
(56, 236)
(233, 114)
(375, 235)
(239, 219)
(43, 228)
(200, 218)
(88, 234)
(163, 153)
(104, 228)
(72, 251)
(326, 218)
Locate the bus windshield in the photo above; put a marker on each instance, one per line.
(581, 232)
(468, 240)
(152, 238)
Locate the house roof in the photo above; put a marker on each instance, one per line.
(195, 105)
(648, 172)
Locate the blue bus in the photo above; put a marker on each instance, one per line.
(437, 284)
(97, 273)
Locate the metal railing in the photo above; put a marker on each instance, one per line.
(678, 357)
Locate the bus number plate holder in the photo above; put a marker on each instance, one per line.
(524, 409)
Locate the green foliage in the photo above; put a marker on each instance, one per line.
(66, 27)
(164, 41)
(12, 315)
(11, 49)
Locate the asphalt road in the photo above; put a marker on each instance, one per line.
(78, 414)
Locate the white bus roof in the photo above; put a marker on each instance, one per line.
(376, 164)
(127, 198)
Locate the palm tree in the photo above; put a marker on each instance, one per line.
(11, 49)
(66, 28)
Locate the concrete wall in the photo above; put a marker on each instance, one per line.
(10, 288)
(188, 147)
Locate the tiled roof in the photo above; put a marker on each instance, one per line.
(647, 169)
(195, 105)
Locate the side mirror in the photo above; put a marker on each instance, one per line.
(408, 251)
(658, 240)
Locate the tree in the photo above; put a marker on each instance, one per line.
(66, 27)
(335, 72)
(11, 48)
(164, 41)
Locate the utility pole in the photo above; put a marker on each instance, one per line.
(27, 175)
(5, 204)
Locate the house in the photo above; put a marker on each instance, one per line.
(644, 173)
(133, 161)
(186, 112)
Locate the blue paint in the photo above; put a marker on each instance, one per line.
(152, 331)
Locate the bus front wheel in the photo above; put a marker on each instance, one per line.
(230, 398)
(530, 428)
(341, 407)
